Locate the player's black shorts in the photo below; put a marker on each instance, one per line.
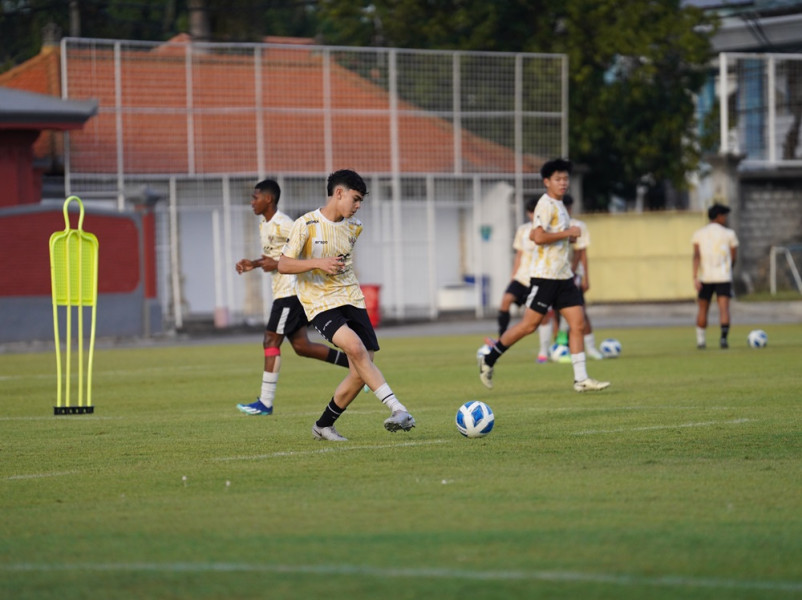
(555, 293)
(287, 316)
(720, 289)
(518, 290)
(329, 321)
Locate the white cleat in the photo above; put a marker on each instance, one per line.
(486, 374)
(327, 433)
(590, 385)
(400, 419)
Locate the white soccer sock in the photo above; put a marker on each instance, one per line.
(386, 395)
(580, 371)
(700, 336)
(590, 341)
(544, 331)
(269, 382)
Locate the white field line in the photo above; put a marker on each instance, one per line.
(80, 418)
(568, 577)
(338, 447)
(657, 427)
(42, 475)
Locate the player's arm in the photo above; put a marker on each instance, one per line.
(246, 264)
(331, 265)
(517, 262)
(581, 257)
(733, 254)
(697, 258)
(542, 237)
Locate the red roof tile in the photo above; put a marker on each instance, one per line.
(157, 132)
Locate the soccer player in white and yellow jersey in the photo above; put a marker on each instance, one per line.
(320, 252)
(518, 287)
(715, 248)
(552, 282)
(287, 317)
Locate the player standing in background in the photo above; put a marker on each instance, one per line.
(518, 288)
(287, 316)
(579, 265)
(552, 280)
(320, 252)
(715, 248)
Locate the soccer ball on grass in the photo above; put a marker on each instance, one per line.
(610, 348)
(475, 419)
(757, 339)
(559, 352)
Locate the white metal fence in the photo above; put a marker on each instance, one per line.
(449, 143)
(760, 106)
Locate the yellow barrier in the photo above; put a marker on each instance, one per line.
(641, 257)
(73, 278)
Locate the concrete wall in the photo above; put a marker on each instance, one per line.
(769, 214)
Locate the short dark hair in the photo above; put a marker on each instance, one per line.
(350, 179)
(716, 210)
(531, 203)
(269, 186)
(553, 166)
(568, 200)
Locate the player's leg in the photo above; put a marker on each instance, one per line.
(537, 303)
(590, 338)
(544, 334)
(723, 299)
(350, 329)
(272, 365)
(305, 347)
(703, 307)
(294, 325)
(570, 306)
(503, 317)
(360, 342)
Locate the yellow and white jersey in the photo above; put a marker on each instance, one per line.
(581, 243)
(274, 235)
(551, 261)
(526, 247)
(715, 247)
(314, 236)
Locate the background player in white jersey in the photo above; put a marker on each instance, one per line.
(715, 248)
(552, 280)
(287, 317)
(518, 288)
(581, 269)
(320, 252)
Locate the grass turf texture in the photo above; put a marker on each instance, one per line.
(682, 480)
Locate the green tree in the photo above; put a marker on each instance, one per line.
(633, 67)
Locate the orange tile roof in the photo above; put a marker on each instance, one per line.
(40, 74)
(225, 127)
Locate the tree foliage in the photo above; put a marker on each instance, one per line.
(634, 66)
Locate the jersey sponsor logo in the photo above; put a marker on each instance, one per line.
(312, 222)
(321, 241)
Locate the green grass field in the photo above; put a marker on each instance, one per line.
(682, 480)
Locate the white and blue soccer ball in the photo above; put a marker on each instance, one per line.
(475, 419)
(483, 351)
(757, 338)
(558, 352)
(610, 348)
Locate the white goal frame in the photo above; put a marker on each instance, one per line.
(786, 250)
